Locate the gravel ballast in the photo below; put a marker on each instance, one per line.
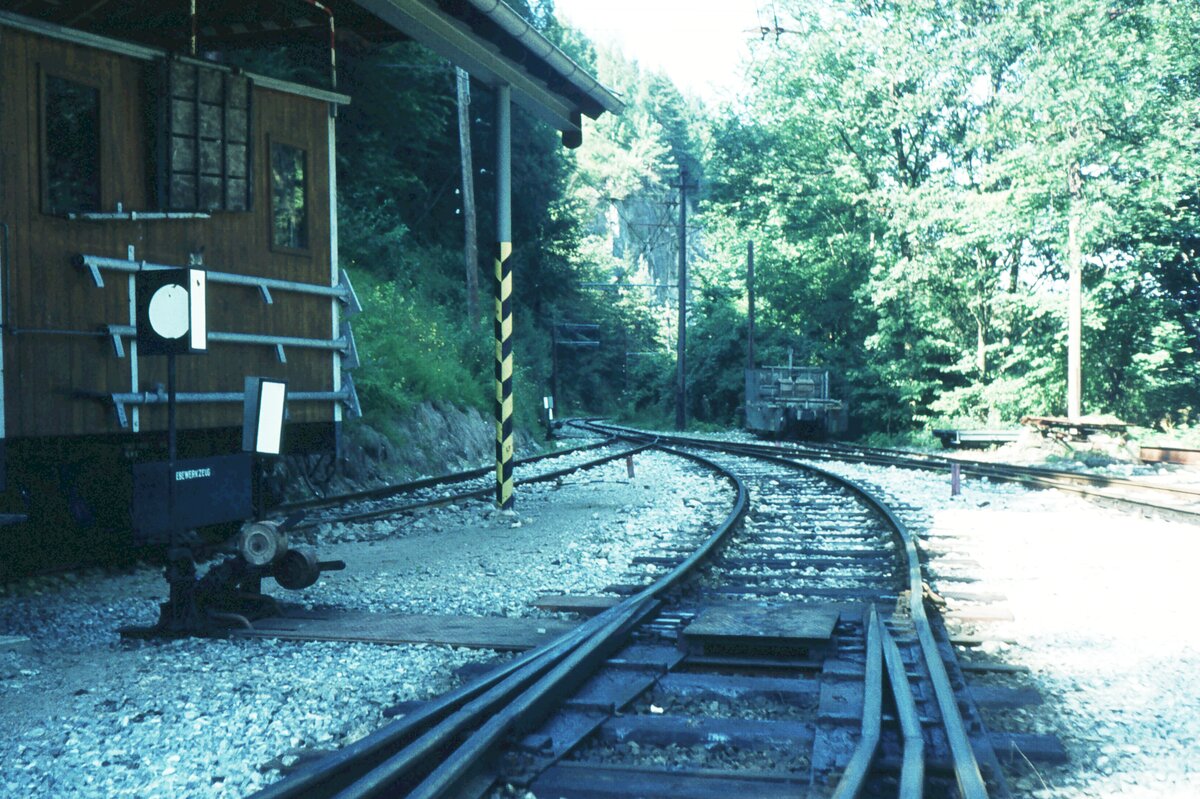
(1100, 600)
(86, 714)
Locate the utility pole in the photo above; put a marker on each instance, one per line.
(470, 239)
(681, 347)
(750, 304)
(554, 364)
(1074, 296)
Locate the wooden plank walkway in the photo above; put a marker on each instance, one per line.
(476, 632)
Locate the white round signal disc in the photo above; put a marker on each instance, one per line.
(169, 311)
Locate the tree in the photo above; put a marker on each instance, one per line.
(912, 173)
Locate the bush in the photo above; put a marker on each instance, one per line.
(411, 351)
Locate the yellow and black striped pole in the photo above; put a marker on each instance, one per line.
(503, 288)
(504, 374)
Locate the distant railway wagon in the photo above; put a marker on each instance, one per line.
(792, 401)
(118, 159)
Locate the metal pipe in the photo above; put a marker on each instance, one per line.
(616, 286)
(342, 292)
(332, 43)
(172, 399)
(282, 341)
(504, 163)
(198, 397)
(50, 331)
(346, 394)
(136, 216)
(339, 344)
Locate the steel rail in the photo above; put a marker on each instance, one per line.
(1073, 482)
(912, 771)
(480, 717)
(478, 493)
(882, 652)
(401, 751)
(453, 773)
(496, 710)
(342, 768)
(854, 777)
(1089, 486)
(919, 460)
(1000, 471)
(1051, 477)
(966, 766)
(429, 482)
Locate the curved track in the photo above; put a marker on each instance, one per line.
(804, 609)
(390, 500)
(1179, 503)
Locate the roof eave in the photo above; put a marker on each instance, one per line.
(453, 39)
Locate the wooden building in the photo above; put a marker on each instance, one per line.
(121, 152)
(114, 158)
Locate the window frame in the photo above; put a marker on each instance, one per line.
(168, 93)
(272, 141)
(44, 73)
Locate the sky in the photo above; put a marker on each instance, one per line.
(699, 44)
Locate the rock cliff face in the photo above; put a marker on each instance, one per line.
(432, 439)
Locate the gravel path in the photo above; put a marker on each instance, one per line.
(88, 715)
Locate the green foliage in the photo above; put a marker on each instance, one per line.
(413, 350)
(717, 359)
(909, 170)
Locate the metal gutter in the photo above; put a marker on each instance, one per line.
(452, 38)
(512, 22)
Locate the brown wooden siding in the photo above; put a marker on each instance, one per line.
(52, 302)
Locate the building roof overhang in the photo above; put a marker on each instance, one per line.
(487, 38)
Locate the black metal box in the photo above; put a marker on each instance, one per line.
(207, 491)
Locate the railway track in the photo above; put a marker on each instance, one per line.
(788, 654)
(1173, 502)
(395, 499)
